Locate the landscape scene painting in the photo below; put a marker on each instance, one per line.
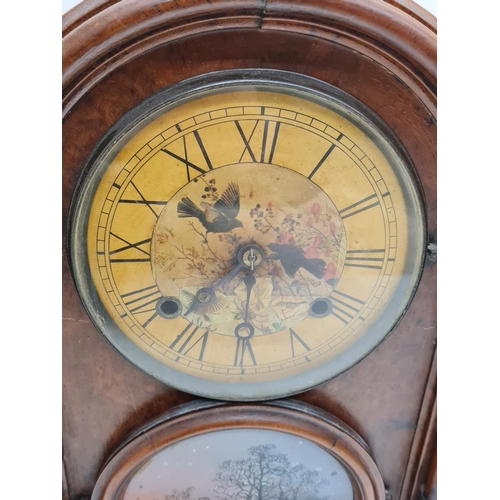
(243, 464)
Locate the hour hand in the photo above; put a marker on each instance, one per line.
(249, 256)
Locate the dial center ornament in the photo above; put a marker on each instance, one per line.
(248, 234)
(299, 239)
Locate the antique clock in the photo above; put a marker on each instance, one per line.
(249, 200)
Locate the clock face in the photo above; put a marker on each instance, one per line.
(247, 235)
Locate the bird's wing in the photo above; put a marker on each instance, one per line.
(188, 296)
(210, 212)
(291, 258)
(229, 201)
(291, 266)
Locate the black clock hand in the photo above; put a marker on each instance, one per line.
(249, 282)
(248, 256)
(206, 295)
(244, 331)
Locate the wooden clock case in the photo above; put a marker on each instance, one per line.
(117, 53)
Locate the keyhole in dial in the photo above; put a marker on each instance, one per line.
(168, 307)
(320, 308)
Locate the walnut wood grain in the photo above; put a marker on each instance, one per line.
(83, 11)
(123, 53)
(126, 29)
(416, 11)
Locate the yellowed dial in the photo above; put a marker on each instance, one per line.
(248, 236)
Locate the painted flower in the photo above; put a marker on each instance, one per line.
(309, 222)
(330, 272)
(333, 228)
(315, 208)
(317, 241)
(311, 253)
(284, 238)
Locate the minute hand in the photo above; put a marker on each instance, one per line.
(209, 291)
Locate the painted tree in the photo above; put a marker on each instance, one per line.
(300, 483)
(266, 475)
(183, 495)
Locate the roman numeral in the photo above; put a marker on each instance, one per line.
(143, 301)
(359, 206)
(273, 143)
(269, 138)
(184, 159)
(144, 202)
(242, 347)
(294, 336)
(247, 141)
(325, 156)
(129, 246)
(184, 332)
(144, 199)
(189, 339)
(344, 306)
(368, 259)
(203, 150)
(114, 261)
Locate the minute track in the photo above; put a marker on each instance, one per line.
(249, 150)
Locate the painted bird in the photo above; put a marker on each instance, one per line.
(219, 217)
(292, 259)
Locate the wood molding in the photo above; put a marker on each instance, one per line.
(86, 9)
(421, 474)
(83, 11)
(200, 417)
(118, 32)
(416, 11)
(65, 493)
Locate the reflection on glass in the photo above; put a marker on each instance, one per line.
(243, 464)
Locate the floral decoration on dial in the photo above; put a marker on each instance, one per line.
(292, 230)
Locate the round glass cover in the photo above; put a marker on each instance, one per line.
(247, 234)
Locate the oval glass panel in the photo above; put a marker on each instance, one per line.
(248, 464)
